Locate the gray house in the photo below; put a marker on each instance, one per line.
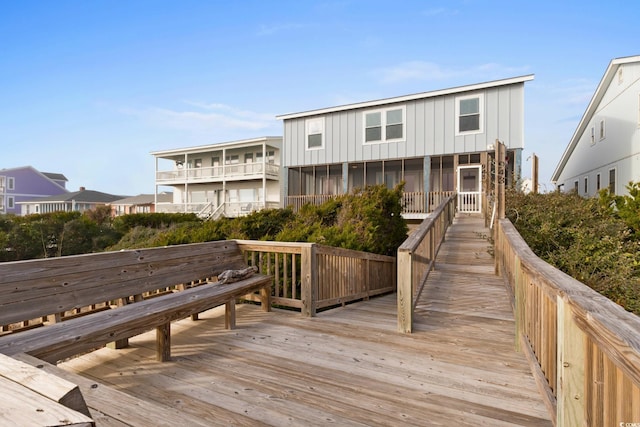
(436, 142)
(80, 201)
(604, 151)
(25, 183)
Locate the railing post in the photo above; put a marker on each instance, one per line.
(570, 393)
(309, 273)
(405, 292)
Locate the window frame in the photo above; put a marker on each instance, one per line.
(602, 130)
(615, 181)
(308, 123)
(598, 182)
(586, 185)
(458, 100)
(11, 183)
(593, 135)
(384, 124)
(11, 202)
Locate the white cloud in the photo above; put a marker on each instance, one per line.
(205, 116)
(440, 11)
(269, 30)
(430, 71)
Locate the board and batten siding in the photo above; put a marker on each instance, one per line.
(430, 129)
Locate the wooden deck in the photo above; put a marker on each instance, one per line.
(347, 366)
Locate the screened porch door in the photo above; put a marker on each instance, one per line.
(470, 189)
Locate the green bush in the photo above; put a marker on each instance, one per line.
(582, 238)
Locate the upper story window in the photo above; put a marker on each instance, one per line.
(469, 110)
(314, 133)
(384, 125)
(593, 135)
(602, 130)
(11, 183)
(612, 181)
(232, 160)
(271, 157)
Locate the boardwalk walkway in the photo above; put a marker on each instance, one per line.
(347, 366)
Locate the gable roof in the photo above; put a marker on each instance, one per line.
(144, 199)
(82, 196)
(55, 176)
(404, 98)
(609, 74)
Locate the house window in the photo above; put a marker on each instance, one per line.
(598, 182)
(315, 133)
(469, 114)
(602, 130)
(11, 183)
(232, 160)
(248, 158)
(593, 135)
(11, 203)
(612, 181)
(271, 157)
(586, 185)
(385, 125)
(575, 186)
(373, 127)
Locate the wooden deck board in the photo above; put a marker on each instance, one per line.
(347, 366)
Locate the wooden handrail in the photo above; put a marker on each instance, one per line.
(416, 258)
(309, 276)
(584, 348)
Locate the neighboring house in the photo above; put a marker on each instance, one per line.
(226, 179)
(81, 201)
(604, 151)
(436, 142)
(142, 203)
(24, 183)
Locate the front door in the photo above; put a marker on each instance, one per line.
(470, 189)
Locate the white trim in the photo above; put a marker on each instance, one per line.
(480, 129)
(383, 125)
(602, 130)
(11, 183)
(405, 98)
(308, 123)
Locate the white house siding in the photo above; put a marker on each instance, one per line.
(620, 148)
(429, 130)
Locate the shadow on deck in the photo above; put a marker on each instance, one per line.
(348, 366)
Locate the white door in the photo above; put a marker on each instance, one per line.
(470, 189)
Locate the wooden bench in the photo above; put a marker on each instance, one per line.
(125, 282)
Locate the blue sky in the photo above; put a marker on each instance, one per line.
(90, 88)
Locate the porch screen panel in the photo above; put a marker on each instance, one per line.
(374, 173)
(356, 176)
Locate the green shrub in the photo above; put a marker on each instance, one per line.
(582, 238)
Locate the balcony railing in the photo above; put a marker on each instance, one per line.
(229, 209)
(412, 201)
(219, 173)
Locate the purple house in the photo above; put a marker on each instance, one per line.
(26, 183)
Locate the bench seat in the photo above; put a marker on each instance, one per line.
(64, 339)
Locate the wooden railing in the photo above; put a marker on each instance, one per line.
(297, 202)
(310, 277)
(437, 197)
(584, 348)
(416, 258)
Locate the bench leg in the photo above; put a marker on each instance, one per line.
(117, 345)
(230, 314)
(265, 298)
(163, 342)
